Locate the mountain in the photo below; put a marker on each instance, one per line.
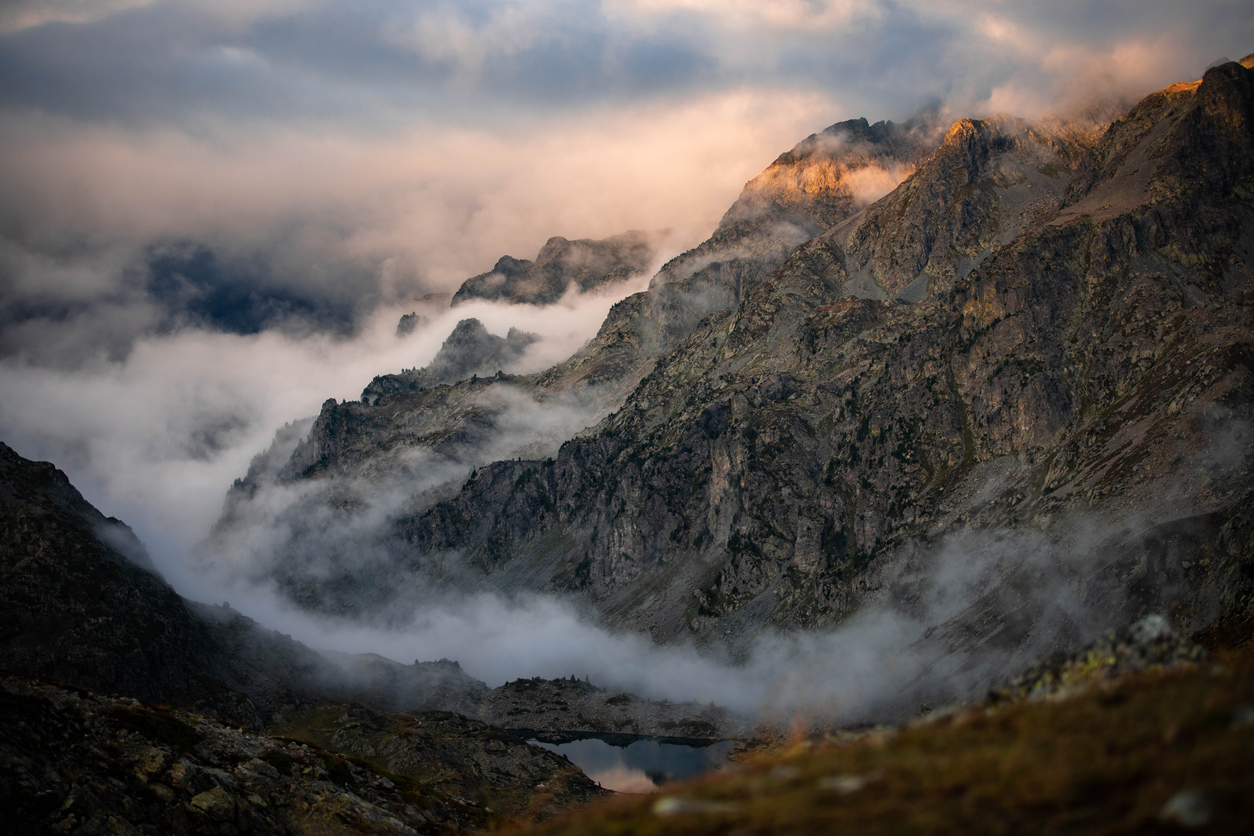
(1035, 351)
(415, 448)
(584, 264)
(81, 602)
(467, 352)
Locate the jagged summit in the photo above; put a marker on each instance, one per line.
(829, 175)
(584, 263)
(468, 351)
(1044, 320)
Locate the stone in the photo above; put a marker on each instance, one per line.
(1188, 808)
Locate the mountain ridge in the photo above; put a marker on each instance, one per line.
(1036, 317)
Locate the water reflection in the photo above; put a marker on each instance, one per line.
(642, 766)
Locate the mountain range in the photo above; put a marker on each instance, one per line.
(995, 378)
(1035, 349)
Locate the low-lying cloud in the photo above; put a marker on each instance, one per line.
(973, 608)
(157, 437)
(873, 181)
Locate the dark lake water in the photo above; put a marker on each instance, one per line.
(644, 764)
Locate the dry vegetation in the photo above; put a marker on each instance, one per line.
(1108, 760)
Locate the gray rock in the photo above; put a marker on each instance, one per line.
(1188, 808)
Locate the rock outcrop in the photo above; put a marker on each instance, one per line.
(469, 351)
(452, 755)
(583, 264)
(72, 761)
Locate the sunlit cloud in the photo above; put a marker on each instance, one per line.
(24, 14)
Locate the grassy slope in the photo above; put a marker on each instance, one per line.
(1104, 761)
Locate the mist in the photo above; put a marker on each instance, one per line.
(214, 214)
(156, 438)
(927, 643)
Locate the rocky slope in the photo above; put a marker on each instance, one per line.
(72, 761)
(1040, 340)
(547, 708)
(583, 264)
(80, 602)
(410, 450)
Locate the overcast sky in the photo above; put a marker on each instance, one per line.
(330, 155)
(212, 211)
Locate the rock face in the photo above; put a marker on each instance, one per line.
(469, 351)
(584, 264)
(550, 706)
(76, 762)
(1044, 330)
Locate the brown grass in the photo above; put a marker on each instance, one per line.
(1106, 761)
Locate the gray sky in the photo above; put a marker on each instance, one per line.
(341, 154)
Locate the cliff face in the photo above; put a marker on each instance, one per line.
(1045, 329)
(402, 449)
(584, 264)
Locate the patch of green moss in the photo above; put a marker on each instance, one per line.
(281, 761)
(338, 770)
(158, 726)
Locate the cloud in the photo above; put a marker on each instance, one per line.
(777, 16)
(330, 225)
(961, 615)
(873, 181)
(16, 15)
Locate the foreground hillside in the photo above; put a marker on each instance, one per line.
(1154, 752)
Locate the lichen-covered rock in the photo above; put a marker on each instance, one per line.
(1150, 643)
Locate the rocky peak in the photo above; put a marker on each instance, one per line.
(584, 263)
(985, 183)
(468, 351)
(829, 175)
